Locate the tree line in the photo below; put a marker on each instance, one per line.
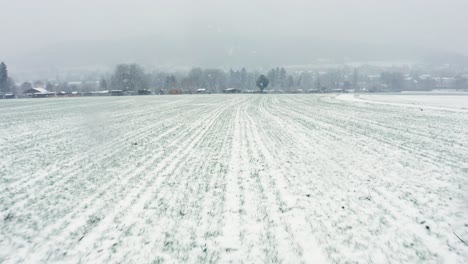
(133, 77)
(7, 85)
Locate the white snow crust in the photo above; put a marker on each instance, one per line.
(233, 178)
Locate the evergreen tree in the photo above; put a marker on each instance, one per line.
(282, 78)
(244, 78)
(4, 80)
(290, 82)
(272, 76)
(170, 82)
(103, 84)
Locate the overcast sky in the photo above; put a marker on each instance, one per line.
(29, 27)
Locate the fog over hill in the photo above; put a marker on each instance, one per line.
(211, 50)
(58, 35)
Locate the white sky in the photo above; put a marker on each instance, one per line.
(27, 26)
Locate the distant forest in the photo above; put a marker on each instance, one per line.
(365, 78)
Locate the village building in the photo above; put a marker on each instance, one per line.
(231, 90)
(39, 93)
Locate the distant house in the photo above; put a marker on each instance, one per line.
(116, 92)
(250, 91)
(9, 96)
(297, 91)
(35, 90)
(231, 90)
(62, 93)
(175, 91)
(39, 93)
(144, 92)
(202, 91)
(337, 90)
(97, 93)
(313, 91)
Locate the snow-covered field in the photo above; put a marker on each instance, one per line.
(241, 178)
(447, 102)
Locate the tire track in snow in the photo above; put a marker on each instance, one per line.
(100, 153)
(174, 191)
(121, 141)
(337, 162)
(132, 190)
(296, 236)
(109, 185)
(204, 196)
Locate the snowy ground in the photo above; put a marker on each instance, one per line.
(447, 102)
(241, 178)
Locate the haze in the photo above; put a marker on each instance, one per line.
(260, 33)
